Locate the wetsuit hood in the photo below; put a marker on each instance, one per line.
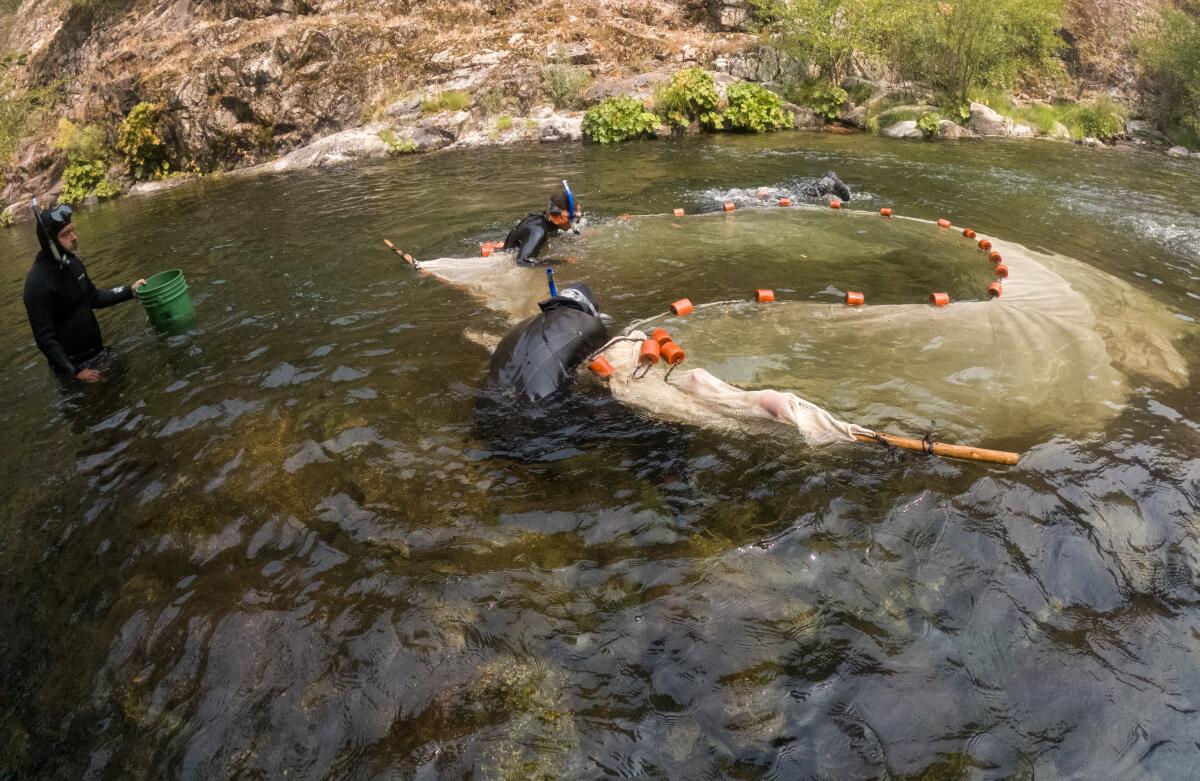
(50, 224)
(577, 295)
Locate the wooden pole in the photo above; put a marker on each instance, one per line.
(965, 452)
(407, 258)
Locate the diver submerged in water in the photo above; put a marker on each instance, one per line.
(829, 184)
(60, 297)
(530, 234)
(537, 359)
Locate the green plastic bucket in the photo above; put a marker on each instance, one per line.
(166, 300)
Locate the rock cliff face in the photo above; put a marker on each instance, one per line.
(242, 82)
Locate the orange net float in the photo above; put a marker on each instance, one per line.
(485, 250)
(1002, 271)
(995, 289)
(626, 217)
(764, 296)
(943, 223)
(854, 299)
(785, 201)
(682, 307)
(600, 366)
(995, 256)
(970, 234)
(679, 212)
(649, 352)
(985, 245)
(672, 353)
(660, 335)
(939, 299)
(885, 212)
(835, 204)
(730, 206)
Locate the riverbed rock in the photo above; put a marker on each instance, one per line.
(986, 122)
(1022, 131)
(1060, 132)
(854, 116)
(1141, 130)
(906, 129)
(149, 188)
(561, 128)
(1178, 151)
(952, 131)
(357, 143)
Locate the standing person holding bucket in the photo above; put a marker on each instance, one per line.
(60, 297)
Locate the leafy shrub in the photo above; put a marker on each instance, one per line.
(450, 100)
(928, 123)
(1101, 118)
(753, 107)
(618, 119)
(563, 83)
(824, 97)
(6, 218)
(826, 33)
(503, 122)
(691, 94)
(491, 102)
(140, 144)
(397, 145)
(86, 177)
(1170, 58)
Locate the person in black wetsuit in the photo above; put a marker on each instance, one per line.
(537, 359)
(59, 299)
(530, 234)
(829, 184)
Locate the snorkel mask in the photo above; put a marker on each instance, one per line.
(572, 211)
(49, 225)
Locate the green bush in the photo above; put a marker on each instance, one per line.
(6, 218)
(1102, 118)
(563, 83)
(1170, 59)
(618, 119)
(503, 122)
(491, 102)
(450, 100)
(397, 145)
(138, 141)
(827, 33)
(87, 162)
(690, 95)
(753, 107)
(824, 97)
(86, 177)
(928, 123)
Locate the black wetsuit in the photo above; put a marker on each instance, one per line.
(537, 359)
(529, 236)
(59, 301)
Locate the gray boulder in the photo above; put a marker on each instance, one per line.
(363, 142)
(1141, 130)
(1178, 151)
(986, 122)
(1060, 132)
(561, 129)
(951, 130)
(906, 129)
(1022, 131)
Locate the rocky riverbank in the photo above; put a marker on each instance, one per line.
(259, 86)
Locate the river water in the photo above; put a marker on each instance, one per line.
(278, 545)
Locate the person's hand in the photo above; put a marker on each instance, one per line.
(138, 284)
(88, 375)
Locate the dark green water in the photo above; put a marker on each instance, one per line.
(277, 546)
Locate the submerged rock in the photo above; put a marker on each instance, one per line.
(906, 129)
(1178, 151)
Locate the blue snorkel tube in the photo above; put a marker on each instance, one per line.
(550, 282)
(570, 205)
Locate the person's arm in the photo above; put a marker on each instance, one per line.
(531, 242)
(37, 307)
(110, 296)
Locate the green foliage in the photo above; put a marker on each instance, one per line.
(967, 45)
(86, 177)
(1101, 118)
(6, 218)
(396, 144)
(753, 107)
(563, 84)
(1170, 58)
(928, 123)
(503, 122)
(139, 142)
(618, 119)
(690, 95)
(491, 102)
(826, 33)
(20, 114)
(450, 100)
(87, 162)
(824, 97)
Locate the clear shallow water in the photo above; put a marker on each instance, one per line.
(278, 543)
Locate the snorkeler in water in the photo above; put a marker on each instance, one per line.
(829, 184)
(530, 234)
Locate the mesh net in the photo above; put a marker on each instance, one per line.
(1054, 353)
